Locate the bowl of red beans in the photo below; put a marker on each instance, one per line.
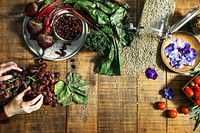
(67, 27)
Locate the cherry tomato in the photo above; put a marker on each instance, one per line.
(196, 95)
(197, 102)
(197, 80)
(161, 105)
(197, 87)
(172, 113)
(189, 91)
(185, 110)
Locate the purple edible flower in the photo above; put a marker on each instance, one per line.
(169, 49)
(169, 93)
(177, 63)
(151, 73)
(180, 53)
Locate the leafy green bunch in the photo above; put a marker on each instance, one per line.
(110, 38)
(75, 90)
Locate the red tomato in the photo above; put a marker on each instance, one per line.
(185, 110)
(197, 80)
(172, 113)
(161, 105)
(189, 91)
(196, 95)
(197, 102)
(196, 87)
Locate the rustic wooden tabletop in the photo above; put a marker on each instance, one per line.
(118, 104)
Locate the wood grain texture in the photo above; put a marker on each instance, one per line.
(123, 104)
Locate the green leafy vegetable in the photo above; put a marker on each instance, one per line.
(47, 2)
(113, 63)
(59, 86)
(196, 69)
(99, 42)
(75, 90)
(195, 110)
(110, 39)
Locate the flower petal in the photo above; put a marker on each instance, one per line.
(151, 73)
(169, 93)
(180, 53)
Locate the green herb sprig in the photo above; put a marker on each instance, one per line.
(195, 110)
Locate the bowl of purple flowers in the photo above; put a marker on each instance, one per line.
(181, 52)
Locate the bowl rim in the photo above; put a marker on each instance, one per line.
(56, 19)
(189, 36)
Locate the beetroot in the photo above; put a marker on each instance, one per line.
(34, 27)
(45, 41)
(31, 10)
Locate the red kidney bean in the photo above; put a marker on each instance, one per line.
(68, 27)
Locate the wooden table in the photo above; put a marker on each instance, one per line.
(117, 104)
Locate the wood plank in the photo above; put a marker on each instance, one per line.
(118, 104)
(83, 118)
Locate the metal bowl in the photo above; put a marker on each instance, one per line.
(64, 16)
(187, 37)
(50, 53)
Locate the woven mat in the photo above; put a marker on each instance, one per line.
(145, 50)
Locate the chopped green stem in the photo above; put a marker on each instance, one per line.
(11, 80)
(31, 78)
(36, 73)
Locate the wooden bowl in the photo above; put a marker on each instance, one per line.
(187, 37)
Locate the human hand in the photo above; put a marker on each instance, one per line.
(18, 106)
(5, 67)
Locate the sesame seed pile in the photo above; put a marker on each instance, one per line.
(145, 49)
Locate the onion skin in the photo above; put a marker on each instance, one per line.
(45, 41)
(34, 27)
